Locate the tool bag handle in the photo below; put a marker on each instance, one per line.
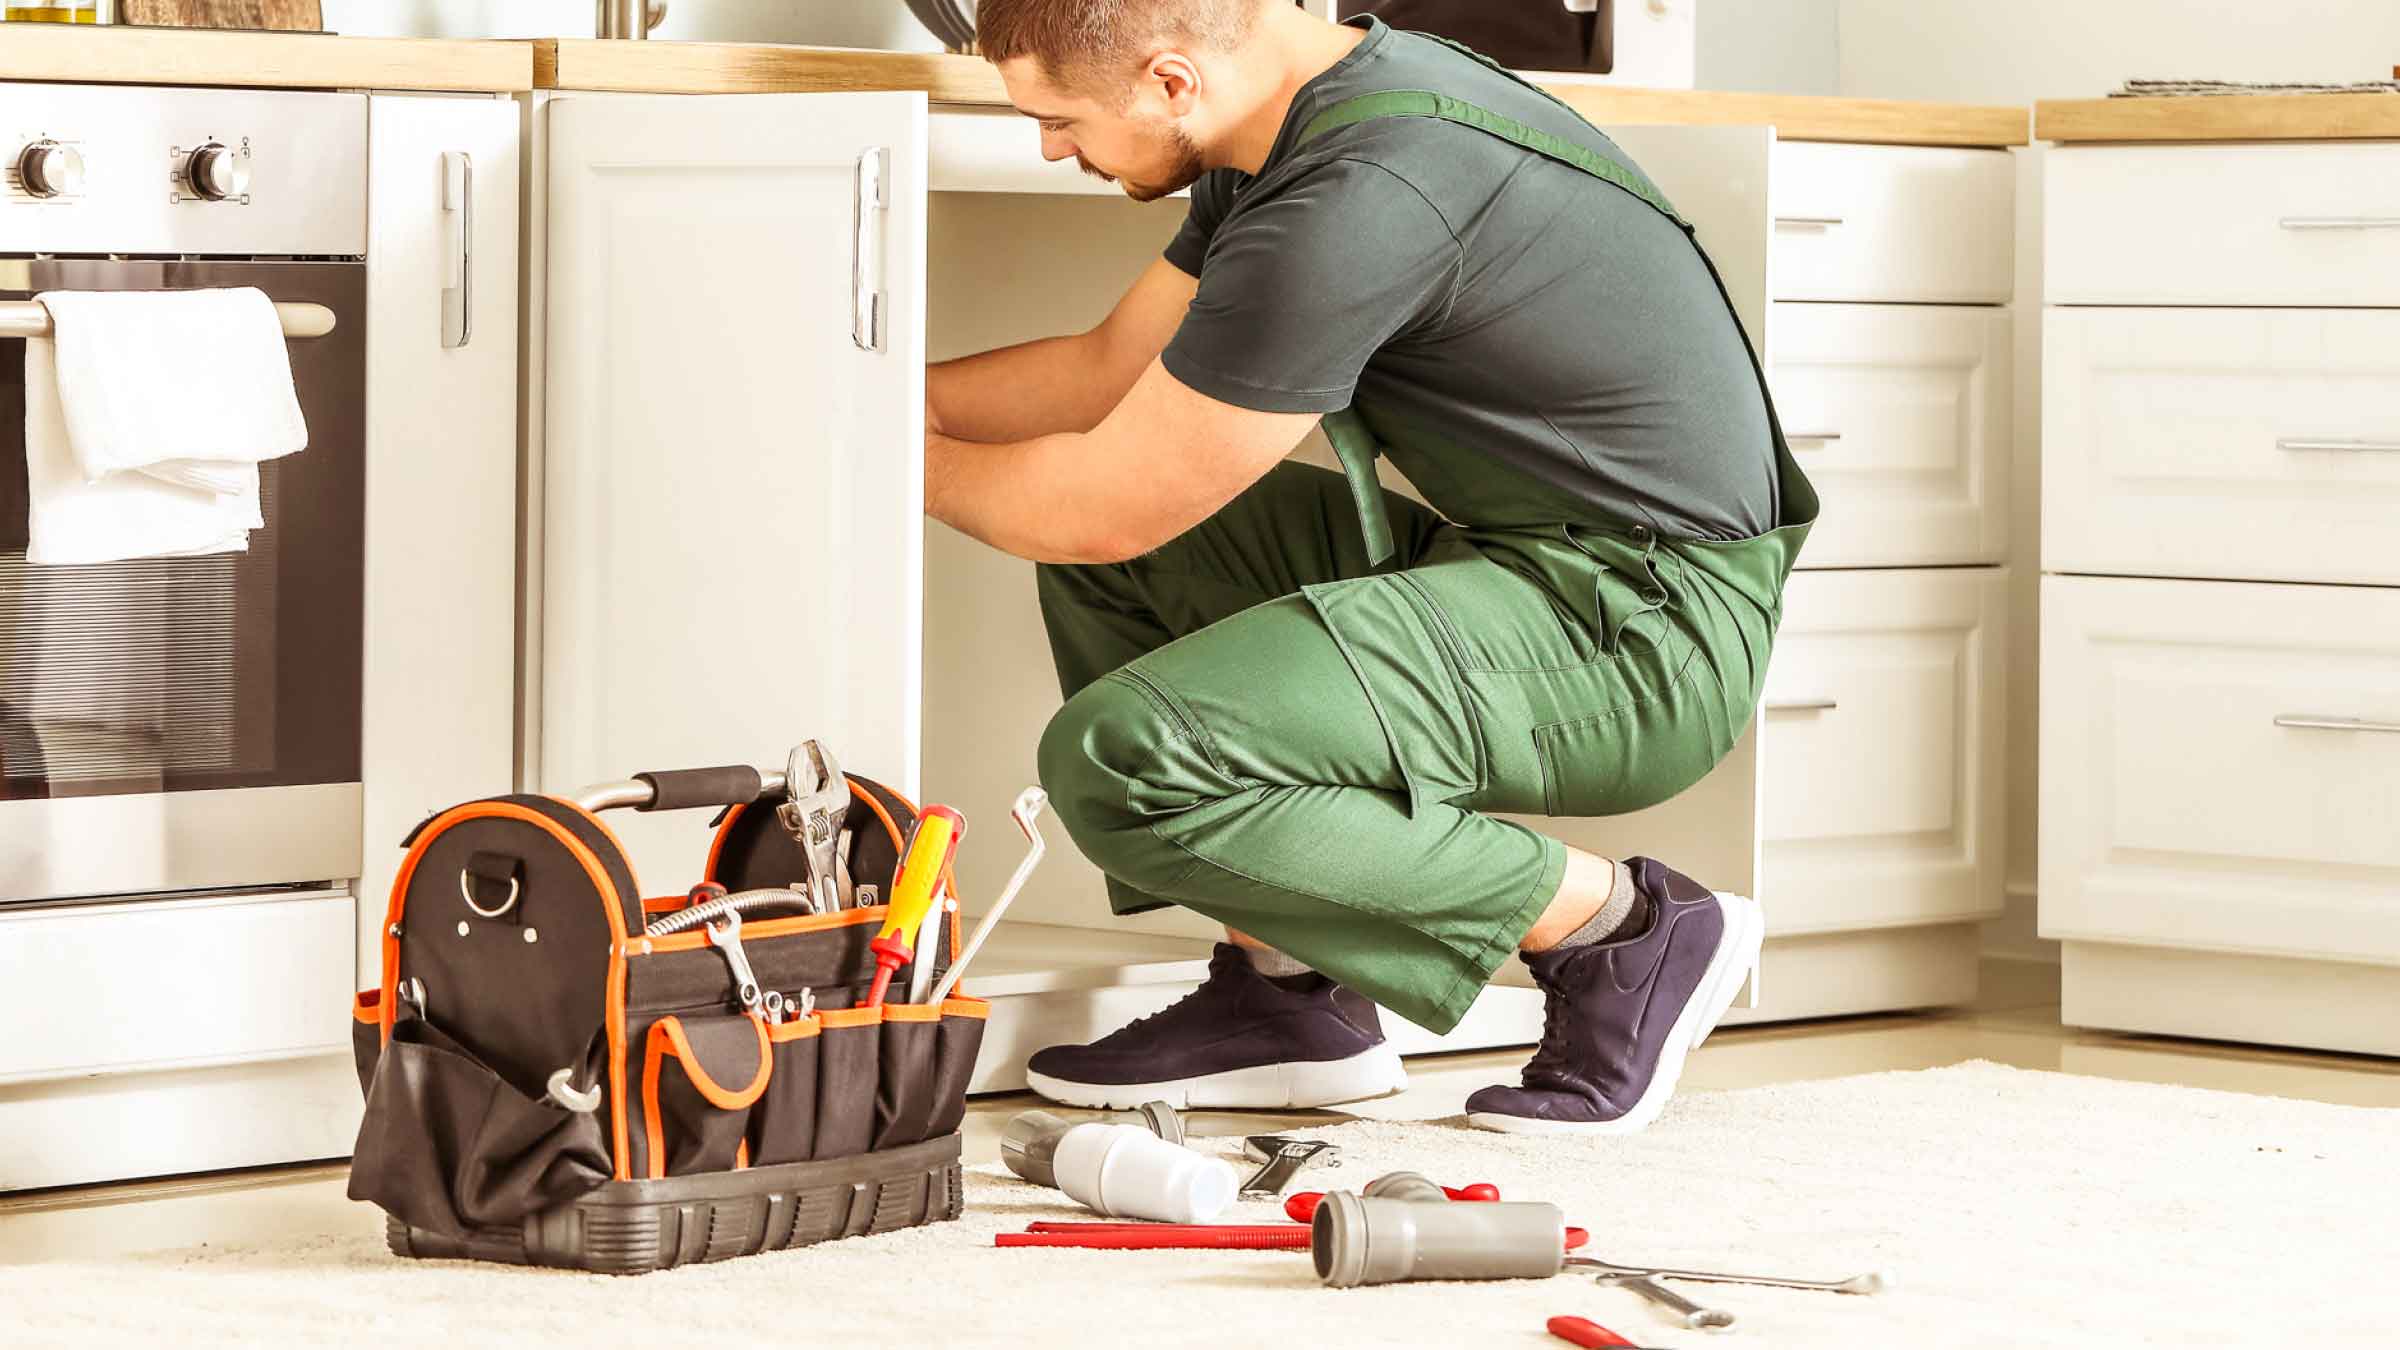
(678, 789)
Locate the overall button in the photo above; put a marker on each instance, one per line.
(1641, 536)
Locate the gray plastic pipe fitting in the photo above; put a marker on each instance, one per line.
(1382, 1239)
(1029, 1143)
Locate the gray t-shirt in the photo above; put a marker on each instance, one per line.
(1443, 278)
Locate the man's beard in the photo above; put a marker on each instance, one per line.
(1183, 170)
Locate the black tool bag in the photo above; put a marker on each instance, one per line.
(1519, 34)
(553, 1077)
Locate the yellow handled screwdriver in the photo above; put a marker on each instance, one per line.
(922, 865)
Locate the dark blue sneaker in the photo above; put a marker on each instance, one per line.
(1621, 1016)
(1239, 1042)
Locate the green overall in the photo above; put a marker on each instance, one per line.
(1297, 729)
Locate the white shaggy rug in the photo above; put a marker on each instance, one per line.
(2014, 1209)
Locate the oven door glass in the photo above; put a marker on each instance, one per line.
(196, 674)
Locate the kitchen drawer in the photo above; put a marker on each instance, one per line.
(1892, 222)
(2220, 766)
(1881, 750)
(2259, 444)
(2222, 225)
(1901, 416)
(88, 989)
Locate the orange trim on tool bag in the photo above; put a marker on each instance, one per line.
(716, 844)
(368, 1006)
(741, 1156)
(666, 1036)
(911, 1012)
(696, 939)
(665, 904)
(890, 826)
(612, 909)
(851, 1017)
(959, 1005)
(798, 1029)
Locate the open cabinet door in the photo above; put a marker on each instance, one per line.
(1717, 179)
(732, 445)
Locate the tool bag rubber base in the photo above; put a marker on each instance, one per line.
(561, 1072)
(634, 1227)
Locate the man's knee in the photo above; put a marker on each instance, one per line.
(1113, 763)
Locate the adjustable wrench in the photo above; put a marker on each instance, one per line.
(816, 800)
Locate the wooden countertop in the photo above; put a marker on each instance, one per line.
(107, 54)
(745, 68)
(2230, 117)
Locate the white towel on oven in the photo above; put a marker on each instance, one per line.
(127, 514)
(193, 387)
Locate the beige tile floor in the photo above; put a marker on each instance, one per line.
(2015, 1022)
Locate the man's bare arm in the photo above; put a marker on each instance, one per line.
(1165, 459)
(1060, 383)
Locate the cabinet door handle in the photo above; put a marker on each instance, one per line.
(2340, 222)
(2305, 443)
(458, 254)
(1812, 435)
(1802, 705)
(2309, 722)
(866, 250)
(1807, 222)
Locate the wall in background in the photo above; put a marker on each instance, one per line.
(1976, 51)
(1770, 46)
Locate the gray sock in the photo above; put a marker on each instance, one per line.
(1274, 964)
(1622, 915)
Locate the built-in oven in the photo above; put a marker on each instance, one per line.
(175, 726)
(185, 723)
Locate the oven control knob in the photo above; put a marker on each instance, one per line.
(48, 169)
(217, 173)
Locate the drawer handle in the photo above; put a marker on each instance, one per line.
(2340, 222)
(1812, 435)
(1807, 222)
(1802, 705)
(2305, 443)
(2306, 722)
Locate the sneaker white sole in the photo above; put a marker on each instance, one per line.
(1265, 1087)
(1735, 958)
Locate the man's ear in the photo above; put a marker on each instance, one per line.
(1177, 80)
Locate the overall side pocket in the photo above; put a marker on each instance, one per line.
(960, 1037)
(848, 1059)
(783, 1126)
(700, 1077)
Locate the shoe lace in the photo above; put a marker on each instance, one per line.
(1172, 1008)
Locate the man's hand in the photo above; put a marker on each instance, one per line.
(1166, 459)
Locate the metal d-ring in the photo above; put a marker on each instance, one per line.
(582, 1101)
(466, 892)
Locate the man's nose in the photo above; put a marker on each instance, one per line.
(1057, 146)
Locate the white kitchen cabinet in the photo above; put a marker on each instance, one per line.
(1898, 223)
(1885, 710)
(730, 441)
(1901, 416)
(2220, 775)
(2222, 225)
(441, 471)
(2255, 443)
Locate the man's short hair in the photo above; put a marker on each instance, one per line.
(1093, 45)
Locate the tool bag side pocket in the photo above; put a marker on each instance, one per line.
(904, 1090)
(958, 1038)
(700, 1078)
(366, 1036)
(849, 1058)
(448, 1145)
(783, 1126)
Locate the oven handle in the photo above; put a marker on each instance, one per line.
(27, 319)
